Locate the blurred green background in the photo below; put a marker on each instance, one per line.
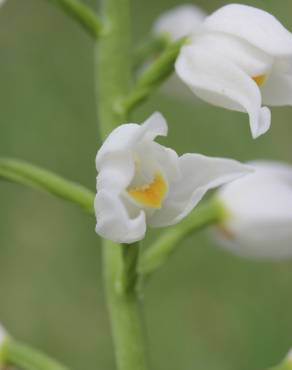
(206, 309)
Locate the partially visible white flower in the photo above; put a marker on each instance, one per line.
(3, 335)
(241, 60)
(259, 212)
(141, 182)
(2, 2)
(289, 357)
(183, 20)
(3, 338)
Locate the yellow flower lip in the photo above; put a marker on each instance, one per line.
(150, 195)
(260, 79)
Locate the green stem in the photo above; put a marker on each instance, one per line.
(129, 274)
(148, 50)
(156, 255)
(114, 72)
(82, 14)
(152, 77)
(26, 358)
(124, 310)
(27, 174)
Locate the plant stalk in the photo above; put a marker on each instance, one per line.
(82, 14)
(124, 310)
(156, 255)
(113, 81)
(27, 358)
(27, 174)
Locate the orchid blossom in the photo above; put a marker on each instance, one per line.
(141, 182)
(241, 60)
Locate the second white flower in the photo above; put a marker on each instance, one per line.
(241, 60)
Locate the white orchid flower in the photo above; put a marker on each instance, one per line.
(259, 212)
(141, 182)
(181, 21)
(240, 61)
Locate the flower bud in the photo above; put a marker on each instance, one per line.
(183, 20)
(259, 212)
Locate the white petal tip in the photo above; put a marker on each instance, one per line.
(113, 221)
(262, 124)
(122, 238)
(156, 124)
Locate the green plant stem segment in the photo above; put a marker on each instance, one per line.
(123, 305)
(157, 254)
(113, 81)
(82, 14)
(152, 77)
(148, 50)
(27, 174)
(23, 357)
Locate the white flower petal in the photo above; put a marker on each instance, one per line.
(260, 198)
(278, 170)
(116, 171)
(264, 194)
(218, 81)
(114, 222)
(277, 90)
(260, 240)
(167, 159)
(126, 136)
(256, 26)
(198, 175)
(155, 125)
(246, 56)
(121, 139)
(180, 21)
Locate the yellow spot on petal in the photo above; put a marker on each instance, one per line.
(260, 79)
(150, 195)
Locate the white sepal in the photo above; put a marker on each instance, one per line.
(198, 175)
